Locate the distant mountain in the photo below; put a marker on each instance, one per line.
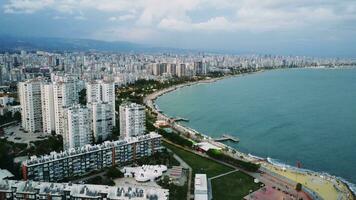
(12, 43)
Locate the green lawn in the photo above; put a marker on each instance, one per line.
(199, 164)
(233, 186)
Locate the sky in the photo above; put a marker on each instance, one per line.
(283, 27)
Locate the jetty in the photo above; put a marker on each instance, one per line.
(226, 137)
(180, 119)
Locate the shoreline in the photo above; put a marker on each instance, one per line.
(279, 168)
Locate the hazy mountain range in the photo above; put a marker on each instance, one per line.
(13, 43)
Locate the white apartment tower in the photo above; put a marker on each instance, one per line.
(132, 120)
(102, 92)
(76, 127)
(48, 117)
(30, 100)
(102, 116)
(65, 95)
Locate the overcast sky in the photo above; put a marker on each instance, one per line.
(296, 27)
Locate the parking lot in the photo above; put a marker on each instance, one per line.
(16, 135)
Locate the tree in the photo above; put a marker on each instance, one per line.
(116, 132)
(298, 187)
(83, 97)
(113, 172)
(17, 116)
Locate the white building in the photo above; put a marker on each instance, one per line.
(132, 120)
(200, 187)
(30, 100)
(14, 189)
(76, 126)
(102, 92)
(65, 94)
(48, 117)
(4, 100)
(145, 172)
(102, 117)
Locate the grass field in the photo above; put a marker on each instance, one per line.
(198, 163)
(233, 186)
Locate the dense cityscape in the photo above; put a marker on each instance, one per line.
(93, 106)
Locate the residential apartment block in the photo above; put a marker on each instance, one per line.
(65, 95)
(30, 100)
(48, 120)
(102, 116)
(100, 91)
(81, 161)
(76, 127)
(132, 120)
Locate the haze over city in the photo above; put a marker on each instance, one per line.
(292, 27)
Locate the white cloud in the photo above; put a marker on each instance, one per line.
(183, 15)
(26, 6)
(213, 24)
(134, 34)
(122, 17)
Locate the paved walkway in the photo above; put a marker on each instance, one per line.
(185, 165)
(218, 176)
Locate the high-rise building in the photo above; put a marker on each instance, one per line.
(132, 120)
(102, 92)
(65, 95)
(102, 116)
(48, 117)
(30, 100)
(76, 127)
(181, 70)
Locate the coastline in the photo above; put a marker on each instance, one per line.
(342, 187)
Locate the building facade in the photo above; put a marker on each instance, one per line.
(81, 161)
(30, 100)
(102, 120)
(65, 95)
(48, 118)
(100, 91)
(132, 120)
(76, 127)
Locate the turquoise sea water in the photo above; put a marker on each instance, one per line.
(291, 115)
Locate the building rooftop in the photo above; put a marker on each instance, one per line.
(145, 172)
(200, 182)
(4, 173)
(123, 192)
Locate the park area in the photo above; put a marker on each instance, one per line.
(232, 186)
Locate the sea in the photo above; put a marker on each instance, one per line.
(305, 115)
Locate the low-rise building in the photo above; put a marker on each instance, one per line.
(145, 173)
(81, 161)
(200, 187)
(30, 190)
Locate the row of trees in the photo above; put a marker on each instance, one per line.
(9, 117)
(177, 139)
(249, 166)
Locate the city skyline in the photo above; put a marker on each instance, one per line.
(311, 28)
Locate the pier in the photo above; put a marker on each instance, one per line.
(179, 119)
(226, 137)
